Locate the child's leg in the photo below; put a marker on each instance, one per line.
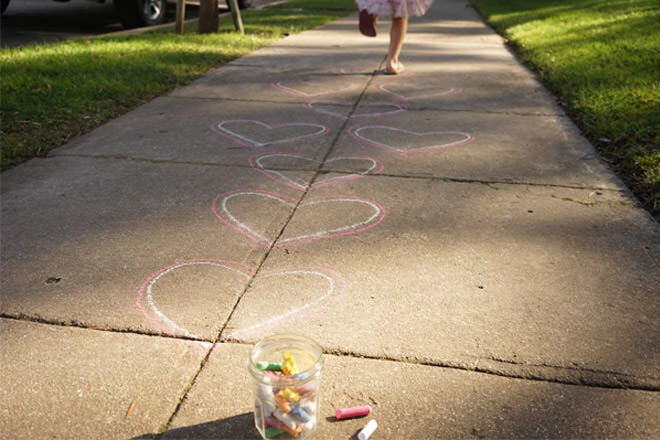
(397, 34)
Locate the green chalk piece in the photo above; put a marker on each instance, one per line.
(271, 366)
(273, 432)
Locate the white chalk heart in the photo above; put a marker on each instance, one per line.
(342, 110)
(408, 92)
(313, 88)
(316, 287)
(276, 166)
(255, 134)
(404, 142)
(315, 218)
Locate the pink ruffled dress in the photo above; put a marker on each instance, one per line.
(395, 8)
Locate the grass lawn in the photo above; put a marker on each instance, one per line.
(601, 58)
(54, 92)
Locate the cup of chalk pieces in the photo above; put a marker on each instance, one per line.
(286, 371)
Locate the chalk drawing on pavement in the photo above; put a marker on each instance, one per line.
(409, 141)
(358, 215)
(409, 92)
(274, 165)
(314, 88)
(146, 303)
(341, 110)
(320, 298)
(324, 287)
(244, 132)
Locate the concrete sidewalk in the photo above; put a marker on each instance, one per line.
(467, 262)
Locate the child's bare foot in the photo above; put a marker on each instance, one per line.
(394, 67)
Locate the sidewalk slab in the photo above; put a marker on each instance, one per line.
(467, 261)
(421, 402)
(457, 272)
(479, 146)
(81, 236)
(62, 382)
(468, 91)
(251, 82)
(207, 132)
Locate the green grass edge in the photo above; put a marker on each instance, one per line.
(54, 92)
(635, 161)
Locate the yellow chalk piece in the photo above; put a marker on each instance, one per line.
(290, 395)
(289, 365)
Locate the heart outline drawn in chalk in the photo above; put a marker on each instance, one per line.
(399, 109)
(279, 85)
(166, 325)
(446, 91)
(301, 185)
(342, 72)
(355, 132)
(219, 127)
(223, 214)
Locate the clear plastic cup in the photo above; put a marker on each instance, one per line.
(286, 403)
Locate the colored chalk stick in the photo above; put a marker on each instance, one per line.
(367, 430)
(269, 366)
(274, 432)
(354, 411)
(301, 414)
(286, 419)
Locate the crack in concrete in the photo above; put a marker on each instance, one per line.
(349, 172)
(494, 366)
(72, 323)
(591, 203)
(557, 114)
(534, 372)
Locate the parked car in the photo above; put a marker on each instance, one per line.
(135, 13)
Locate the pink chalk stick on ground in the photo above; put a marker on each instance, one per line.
(354, 411)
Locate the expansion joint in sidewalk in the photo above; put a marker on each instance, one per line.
(148, 160)
(586, 377)
(488, 112)
(259, 265)
(341, 130)
(72, 323)
(487, 181)
(230, 99)
(318, 171)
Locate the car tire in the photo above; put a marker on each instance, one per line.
(4, 5)
(136, 13)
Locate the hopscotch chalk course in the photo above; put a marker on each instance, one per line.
(277, 165)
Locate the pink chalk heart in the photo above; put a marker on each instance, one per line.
(314, 219)
(404, 142)
(196, 283)
(348, 71)
(199, 281)
(342, 110)
(256, 134)
(313, 88)
(408, 92)
(276, 298)
(277, 166)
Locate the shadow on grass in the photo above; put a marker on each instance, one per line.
(55, 92)
(597, 57)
